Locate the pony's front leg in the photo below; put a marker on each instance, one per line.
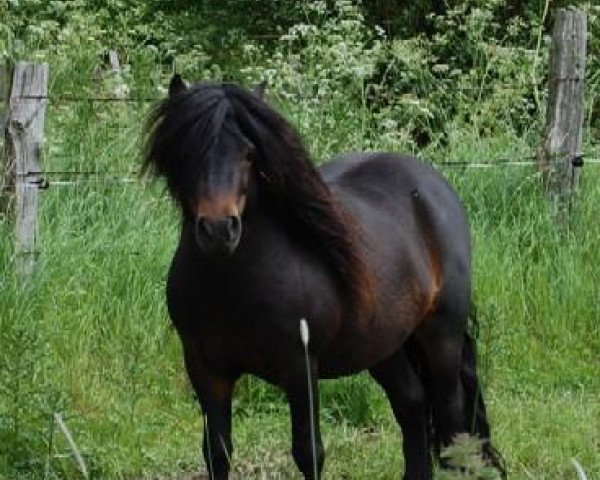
(214, 393)
(307, 448)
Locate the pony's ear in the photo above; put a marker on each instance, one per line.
(259, 90)
(176, 85)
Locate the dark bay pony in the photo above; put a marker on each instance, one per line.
(373, 250)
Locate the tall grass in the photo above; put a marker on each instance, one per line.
(88, 338)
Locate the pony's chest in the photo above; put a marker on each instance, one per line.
(248, 321)
(269, 282)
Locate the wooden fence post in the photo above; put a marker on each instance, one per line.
(561, 154)
(25, 136)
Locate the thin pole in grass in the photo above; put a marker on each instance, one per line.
(579, 469)
(76, 453)
(304, 335)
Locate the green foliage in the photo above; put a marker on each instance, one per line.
(474, 69)
(330, 54)
(472, 62)
(464, 73)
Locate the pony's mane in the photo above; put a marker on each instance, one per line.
(184, 126)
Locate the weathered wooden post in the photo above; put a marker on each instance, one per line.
(561, 156)
(27, 107)
(120, 88)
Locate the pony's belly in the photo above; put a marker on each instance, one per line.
(349, 363)
(362, 348)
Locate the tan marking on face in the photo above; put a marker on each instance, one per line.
(241, 204)
(227, 204)
(218, 207)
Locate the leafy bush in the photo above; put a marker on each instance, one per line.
(474, 62)
(473, 68)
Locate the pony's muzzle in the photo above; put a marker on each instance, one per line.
(218, 236)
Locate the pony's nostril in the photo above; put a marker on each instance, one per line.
(203, 227)
(233, 226)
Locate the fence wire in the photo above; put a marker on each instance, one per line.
(64, 178)
(72, 98)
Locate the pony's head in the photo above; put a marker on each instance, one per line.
(195, 143)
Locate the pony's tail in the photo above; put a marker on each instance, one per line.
(475, 407)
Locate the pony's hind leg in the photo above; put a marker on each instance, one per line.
(447, 352)
(440, 342)
(406, 394)
(475, 407)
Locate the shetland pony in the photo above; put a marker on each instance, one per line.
(373, 250)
